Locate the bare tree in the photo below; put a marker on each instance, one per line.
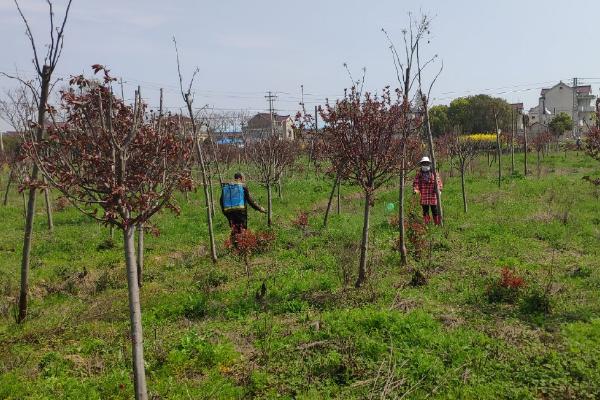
(189, 99)
(270, 155)
(40, 90)
(464, 150)
(408, 69)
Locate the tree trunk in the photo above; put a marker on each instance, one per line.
(525, 138)
(339, 200)
(279, 193)
(512, 149)
(10, 179)
(210, 195)
(24, 204)
(499, 149)
(401, 227)
(462, 185)
(135, 316)
(438, 194)
(140, 254)
(48, 201)
(211, 234)
(335, 183)
(1, 143)
(30, 214)
(362, 266)
(269, 205)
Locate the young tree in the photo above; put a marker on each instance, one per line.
(408, 68)
(361, 135)
(592, 143)
(270, 155)
(540, 141)
(525, 144)
(189, 100)
(18, 110)
(464, 149)
(118, 168)
(41, 92)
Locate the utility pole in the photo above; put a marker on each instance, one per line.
(525, 123)
(575, 110)
(270, 99)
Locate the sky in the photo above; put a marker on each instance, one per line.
(508, 48)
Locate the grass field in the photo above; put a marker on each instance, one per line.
(312, 336)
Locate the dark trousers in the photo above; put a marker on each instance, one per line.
(238, 221)
(434, 209)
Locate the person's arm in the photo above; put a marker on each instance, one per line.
(416, 183)
(439, 181)
(251, 201)
(221, 202)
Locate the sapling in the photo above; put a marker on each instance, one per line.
(115, 166)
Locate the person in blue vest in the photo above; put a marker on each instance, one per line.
(235, 199)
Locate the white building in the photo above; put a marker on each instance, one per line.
(577, 102)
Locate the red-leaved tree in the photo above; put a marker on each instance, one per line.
(592, 143)
(361, 137)
(118, 167)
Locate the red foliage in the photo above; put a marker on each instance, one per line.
(592, 143)
(246, 243)
(510, 279)
(541, 140)
(107, 155)
(301, 221)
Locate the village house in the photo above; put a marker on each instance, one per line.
(260, 126)
(577, 102)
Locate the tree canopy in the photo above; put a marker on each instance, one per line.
(472, 114)
(560, 124)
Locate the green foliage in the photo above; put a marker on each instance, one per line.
(475, 114)
(438, 118)
(560, 124)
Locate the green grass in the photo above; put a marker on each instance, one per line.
(314, 335)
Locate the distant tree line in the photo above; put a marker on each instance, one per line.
(472, 114)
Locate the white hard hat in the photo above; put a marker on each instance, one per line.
(425, 160)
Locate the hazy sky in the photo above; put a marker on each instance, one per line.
(508, 48)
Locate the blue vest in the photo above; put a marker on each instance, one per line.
(233, 197)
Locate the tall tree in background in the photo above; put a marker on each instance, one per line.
(476, 114)
(361, 135)
(115, 166)
(438, 118)
(560, 124)
(40, 90)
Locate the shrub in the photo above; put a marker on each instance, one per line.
(507, 288)
(246, 243)
(301, 221)
(536, 301)
(61, 203)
